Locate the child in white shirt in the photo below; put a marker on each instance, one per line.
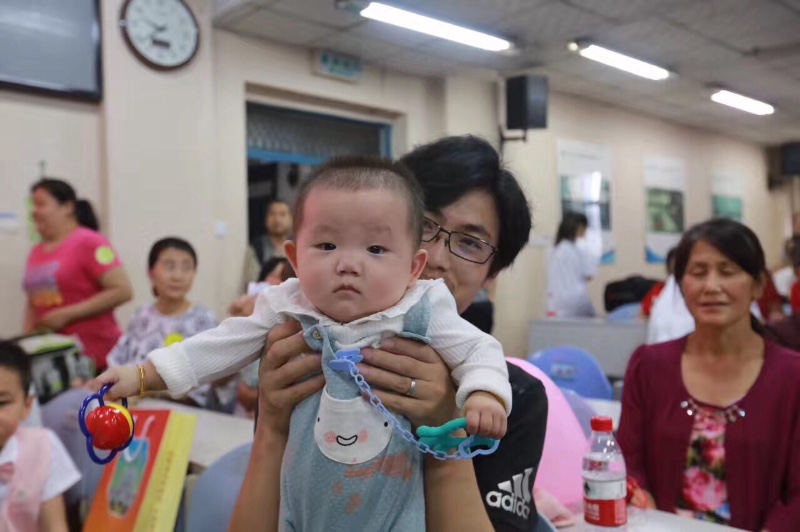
(35, 469)
(358, 259)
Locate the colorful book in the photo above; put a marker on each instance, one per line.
(141, 488)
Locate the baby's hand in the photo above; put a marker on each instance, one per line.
(126, 382)
(485, 415)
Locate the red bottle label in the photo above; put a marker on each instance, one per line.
(604, 503)
(605, 513)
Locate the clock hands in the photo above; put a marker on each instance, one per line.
(155, 41)
(156, 27)
(160, 42)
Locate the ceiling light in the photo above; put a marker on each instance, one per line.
(742, 103)
(622, 62)
(431, 26)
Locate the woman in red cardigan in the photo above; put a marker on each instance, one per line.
(710, 423)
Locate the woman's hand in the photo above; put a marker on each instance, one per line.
(243, 306)
(642, 499)
(55, 320)
(280, 384)
(390, 371)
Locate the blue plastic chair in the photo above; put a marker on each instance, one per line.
(582, 410)
(214, 495)
(628, 312)
(543, 524)
(574, 369)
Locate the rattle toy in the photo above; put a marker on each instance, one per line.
(109, 427)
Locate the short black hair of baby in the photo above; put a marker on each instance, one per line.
(366, 173)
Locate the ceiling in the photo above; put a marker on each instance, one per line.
(747, 46)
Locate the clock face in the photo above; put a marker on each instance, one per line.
(162, 33)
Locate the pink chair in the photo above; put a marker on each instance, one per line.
(564, 443)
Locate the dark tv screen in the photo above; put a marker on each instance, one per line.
(51, 46)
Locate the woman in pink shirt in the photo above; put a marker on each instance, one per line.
(710, 423)
(73, 277)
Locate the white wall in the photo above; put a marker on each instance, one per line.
(66, 135)
(470, 108)
(159, 154)
(631, 137)
(249, 68)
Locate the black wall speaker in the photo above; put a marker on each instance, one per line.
(526, 102)
(775, 177)
(790, 159)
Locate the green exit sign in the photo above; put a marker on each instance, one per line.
(339, 66)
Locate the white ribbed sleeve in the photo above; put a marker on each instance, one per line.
(475, 358)
(217, 352)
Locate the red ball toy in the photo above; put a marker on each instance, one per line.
(110, 427)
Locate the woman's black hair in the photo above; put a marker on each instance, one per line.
(794, 257)
(570, 226)
(734, 240)
(670, 262)
(64, 193)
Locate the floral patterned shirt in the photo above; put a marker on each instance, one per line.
(704, 493)
(149, 330)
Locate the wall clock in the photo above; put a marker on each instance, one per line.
(163, 34)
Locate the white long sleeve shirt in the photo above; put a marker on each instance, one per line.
(567, 281)
(475, 359)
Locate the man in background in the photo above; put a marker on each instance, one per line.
(278, 223)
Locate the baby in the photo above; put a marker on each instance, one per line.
(35, 469)
(358, 261)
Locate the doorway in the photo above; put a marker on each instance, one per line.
(284, 145)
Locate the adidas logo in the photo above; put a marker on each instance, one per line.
(514, 495)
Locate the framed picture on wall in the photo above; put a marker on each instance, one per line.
(584, 171)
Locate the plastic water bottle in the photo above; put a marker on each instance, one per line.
(605, 484)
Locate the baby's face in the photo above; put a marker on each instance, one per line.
(15, 405)
(354, 253)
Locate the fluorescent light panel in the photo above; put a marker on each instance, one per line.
(743, 103)
(623, 62)
(431, 26)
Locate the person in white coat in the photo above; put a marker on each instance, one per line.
(572, 266)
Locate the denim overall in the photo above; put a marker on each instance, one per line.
(345, 469)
